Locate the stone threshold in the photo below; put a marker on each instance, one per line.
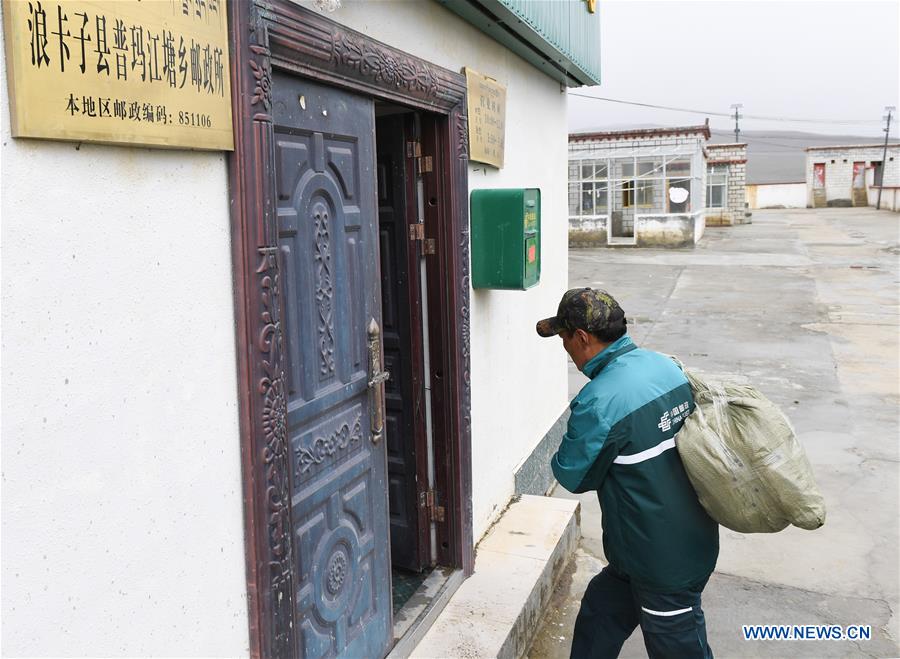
(496, 611)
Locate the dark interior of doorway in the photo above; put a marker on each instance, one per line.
(396, 130)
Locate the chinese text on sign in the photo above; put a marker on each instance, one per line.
(487, 118)
(151, 72)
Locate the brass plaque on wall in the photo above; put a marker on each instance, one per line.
(148, 72)
(486, 100)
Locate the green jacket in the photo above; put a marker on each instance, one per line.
(620, 442)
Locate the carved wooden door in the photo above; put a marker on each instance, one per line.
(327, 219)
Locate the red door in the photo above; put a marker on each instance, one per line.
(819, 175)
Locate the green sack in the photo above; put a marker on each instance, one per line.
(743, 459)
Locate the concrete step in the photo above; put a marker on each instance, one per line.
(496, 611)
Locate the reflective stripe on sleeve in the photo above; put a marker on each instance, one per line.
(645, 455)
(666, 613)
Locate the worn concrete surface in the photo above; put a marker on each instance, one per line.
(804, 304)
(496, 611)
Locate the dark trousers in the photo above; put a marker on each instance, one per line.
(612, 606)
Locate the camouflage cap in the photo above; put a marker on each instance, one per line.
(583, 308)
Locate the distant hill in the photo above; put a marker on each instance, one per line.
(779, 156)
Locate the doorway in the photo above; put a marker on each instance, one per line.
(350, 180)
(860, 195)
(421, 572)
(403, 304)
(818, 188)
(327, 304)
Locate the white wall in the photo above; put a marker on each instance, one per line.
(776, 195)
(890, 199)
(122, 531)
(518, 379)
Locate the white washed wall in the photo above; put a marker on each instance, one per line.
(122, 530)
(839, 174)
(776, 195)
(518, 379)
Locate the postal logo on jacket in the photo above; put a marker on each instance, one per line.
(677, 413)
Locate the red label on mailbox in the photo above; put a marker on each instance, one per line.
(532, 254)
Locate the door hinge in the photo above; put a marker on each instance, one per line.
(417, 234)
(424, 165)
(435, 513)
(417, 231)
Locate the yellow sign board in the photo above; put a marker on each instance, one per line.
(151, 72)
(487, 118)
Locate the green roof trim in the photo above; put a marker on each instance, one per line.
(559, 37)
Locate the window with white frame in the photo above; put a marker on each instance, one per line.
(638, 184)
(588, 188)
(716, 184)
(610, 182)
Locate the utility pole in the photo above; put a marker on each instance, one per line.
(737, 116)
(887, 132)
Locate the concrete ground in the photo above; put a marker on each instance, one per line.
(804, 304)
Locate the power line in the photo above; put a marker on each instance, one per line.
(711, 113)
(782, 136)
(753, 141)
(786, 146)
(650, 105)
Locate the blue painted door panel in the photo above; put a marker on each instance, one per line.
(327, 218)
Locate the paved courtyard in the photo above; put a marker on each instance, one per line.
(804, 304)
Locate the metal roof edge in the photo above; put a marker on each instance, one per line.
(506, 28)
(636, 133)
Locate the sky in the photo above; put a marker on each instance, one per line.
(811, 59)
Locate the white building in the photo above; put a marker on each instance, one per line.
(643, 187)
(851, 175)
(190, 457)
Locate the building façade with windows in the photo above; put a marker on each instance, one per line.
(642, 187)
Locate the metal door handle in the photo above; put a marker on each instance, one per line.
(377, 378)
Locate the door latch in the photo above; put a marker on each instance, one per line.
(377, 378)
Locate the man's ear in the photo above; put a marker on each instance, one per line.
(583, 336)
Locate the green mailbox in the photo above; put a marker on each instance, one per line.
(506, 238)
